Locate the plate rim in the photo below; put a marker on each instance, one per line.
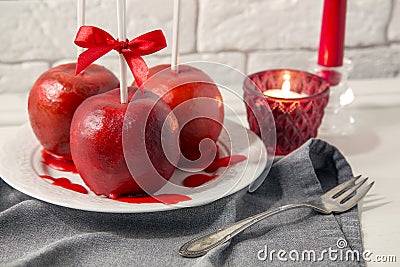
(7, 176)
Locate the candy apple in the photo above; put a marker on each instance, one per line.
(187, 84)
(97, 143)
(54, 98)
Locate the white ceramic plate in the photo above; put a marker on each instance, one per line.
(21, 166)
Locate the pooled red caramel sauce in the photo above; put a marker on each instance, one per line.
(168, 199)
(224, 162)
(68, 166)
(65, 183)
(198, 179)
(193, 180)
(164, 198)
(58, 163)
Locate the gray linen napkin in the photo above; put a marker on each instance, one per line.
(35, 233)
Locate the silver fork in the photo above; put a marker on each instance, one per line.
(337, 200)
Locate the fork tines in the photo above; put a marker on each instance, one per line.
(351, 191)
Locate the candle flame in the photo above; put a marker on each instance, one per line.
(286, 83)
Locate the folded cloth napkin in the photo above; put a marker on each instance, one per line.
(36, 233)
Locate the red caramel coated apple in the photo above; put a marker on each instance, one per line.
(97, 144)
(54, 98)
(189, 83)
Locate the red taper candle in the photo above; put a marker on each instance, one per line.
(333, 26)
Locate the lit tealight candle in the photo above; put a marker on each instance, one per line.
(285, 91)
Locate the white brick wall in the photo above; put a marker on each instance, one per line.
(258, 25)
(249, 35)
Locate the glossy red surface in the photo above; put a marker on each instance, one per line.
(331, 76)
(198, 179)
(331, 45)
(225, 162)
(65, 183)
(54, 98)
(58, 163)
(190, 83)
(97, 148)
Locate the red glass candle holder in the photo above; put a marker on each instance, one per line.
(296, 119)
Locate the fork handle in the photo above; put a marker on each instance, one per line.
(201, 245)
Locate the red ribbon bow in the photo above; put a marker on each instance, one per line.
(100, 42)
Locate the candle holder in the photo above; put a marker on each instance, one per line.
(338, 119)
(296, 119)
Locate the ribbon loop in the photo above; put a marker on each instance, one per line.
(99, 42)
(90, 37)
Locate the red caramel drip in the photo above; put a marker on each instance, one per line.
(58, 163)
(65, 183)
(225, 162)
(168, 199)
(218, 154)
(198, 179)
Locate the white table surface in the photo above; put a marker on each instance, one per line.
(372, 150)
